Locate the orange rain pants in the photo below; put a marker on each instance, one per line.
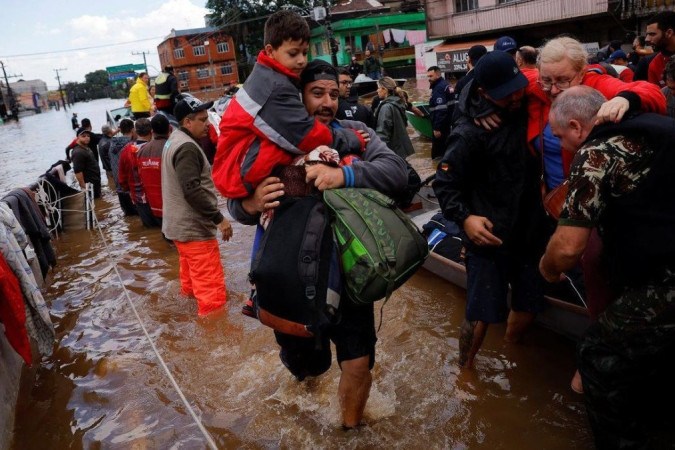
(201, 274)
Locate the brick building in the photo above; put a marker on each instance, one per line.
(203, 60)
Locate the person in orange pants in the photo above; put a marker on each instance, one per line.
(191, 217)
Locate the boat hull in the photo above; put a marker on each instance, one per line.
(421, 124)
(562, 317)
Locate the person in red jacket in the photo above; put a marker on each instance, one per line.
(562, 64)
(149, 158)
(266, 124)
(660, 35)
(128, 175)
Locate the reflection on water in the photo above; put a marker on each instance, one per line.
(103, 387)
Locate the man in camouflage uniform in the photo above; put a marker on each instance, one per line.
(621, 181)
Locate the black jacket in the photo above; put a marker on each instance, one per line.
(492, 174)
(351, 109)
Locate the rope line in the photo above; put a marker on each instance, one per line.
(171, 378)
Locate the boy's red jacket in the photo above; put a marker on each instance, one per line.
(265, 125)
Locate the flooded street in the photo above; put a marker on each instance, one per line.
(104, 388)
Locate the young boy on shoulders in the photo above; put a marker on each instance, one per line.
(266, 125)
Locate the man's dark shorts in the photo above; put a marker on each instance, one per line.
(354, 337)
(488, 279)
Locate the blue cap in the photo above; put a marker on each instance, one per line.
(506, 44)
(619, 54)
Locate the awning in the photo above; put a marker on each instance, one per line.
(454, 57)
(443, 47)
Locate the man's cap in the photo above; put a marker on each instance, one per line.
(168, 68)
(618, 54)
(75, 114)
(499, 75)
(83, 130)
(506, 44)
(318, 69)
(189, 105)
(477, 52)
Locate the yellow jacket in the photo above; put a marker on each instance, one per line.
(139, 97)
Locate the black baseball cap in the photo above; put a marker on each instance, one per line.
(499, 75)
(83, 130)
(189, 105)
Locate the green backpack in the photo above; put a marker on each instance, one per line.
(379, 246)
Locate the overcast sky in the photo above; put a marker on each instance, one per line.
(39, 36)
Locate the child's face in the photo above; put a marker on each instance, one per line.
(292, 54)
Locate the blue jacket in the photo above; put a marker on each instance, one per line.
(438, 104)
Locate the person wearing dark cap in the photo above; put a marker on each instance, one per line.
(74, 122)
(378, 168)
(150, 164)
(474, 55)
(487, 183)
(166, 90)
(191, 216)
(619, 61)
(85, 166)
(506, 44)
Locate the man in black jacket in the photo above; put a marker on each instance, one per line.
(166, 91)
(349, 107)
(486, 183)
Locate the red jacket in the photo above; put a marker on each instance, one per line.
(539, 105)
(128, 173)
(264, 126)
(656, 68)
(149, 160)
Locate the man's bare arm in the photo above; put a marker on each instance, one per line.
(563, 251)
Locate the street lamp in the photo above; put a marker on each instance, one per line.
(213, 72)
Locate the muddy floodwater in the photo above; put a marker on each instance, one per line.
(103, 386)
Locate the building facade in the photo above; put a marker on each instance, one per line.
(463, 23)
(389, 36)
(203, 59)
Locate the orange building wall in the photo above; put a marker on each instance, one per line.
(192, 63)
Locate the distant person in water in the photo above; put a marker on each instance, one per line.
(74, 122)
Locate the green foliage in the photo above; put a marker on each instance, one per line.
(244, 20)
(96, 85)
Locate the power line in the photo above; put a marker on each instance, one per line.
(80, 48)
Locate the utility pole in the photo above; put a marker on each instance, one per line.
(332, 43)
(58, 78)
(144, 62)
(10, 95)
(211, 68)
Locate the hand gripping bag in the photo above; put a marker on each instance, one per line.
(379, 246)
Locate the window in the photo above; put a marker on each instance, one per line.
(203, 72)
(183, 75)
(198, 50)
(226, 69)
(507, 1)
(223, 47)
(178, 53)
(465, 5)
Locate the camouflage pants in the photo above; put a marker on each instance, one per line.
(622, 358)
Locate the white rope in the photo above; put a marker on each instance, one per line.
(171, 378)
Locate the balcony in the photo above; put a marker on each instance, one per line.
(644, 8)
(493, 15)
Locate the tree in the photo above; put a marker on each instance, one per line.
(243, 20)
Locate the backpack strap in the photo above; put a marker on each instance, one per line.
(308, 257)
